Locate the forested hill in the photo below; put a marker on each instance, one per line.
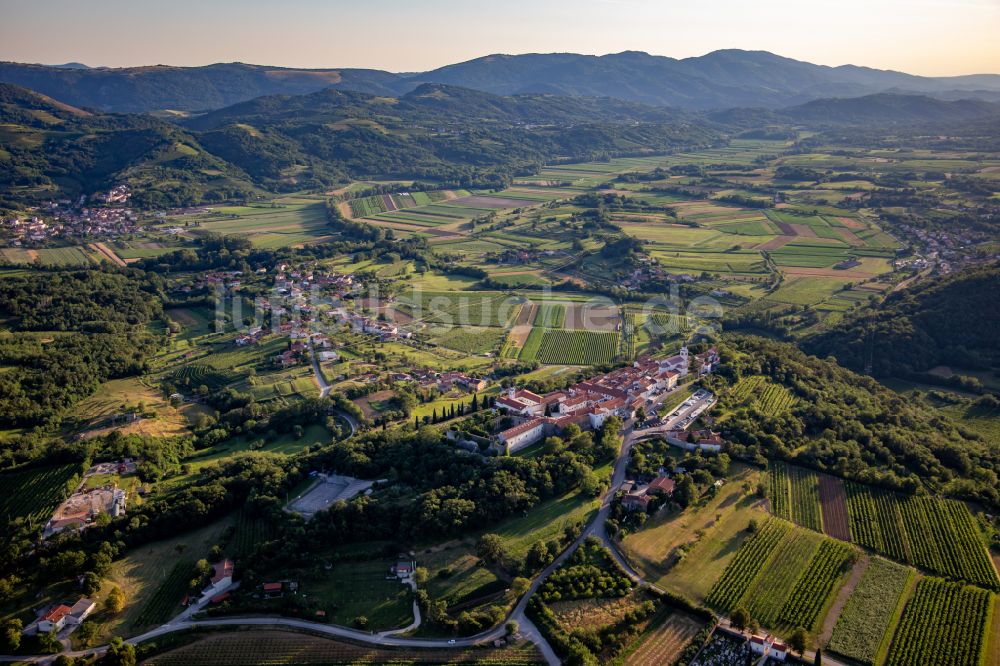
(141, 89)
(848, 424)
(951, 320)
(281, 143)
(437, 104)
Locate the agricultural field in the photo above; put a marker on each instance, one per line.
(831, 561)
(783, 576)
(763, 395)
(351, 589)
(457, 576)
(862, 628)
(471, 339)
(35, 493)
(749, 561)
(273, 647)
(68, 257)
(664, 640)
(805, 498)
(768, 596)
(577, 347)
(550, 315)
(945, 624)
(166, 601)
(937, 535)
(284, 222)
(686, 552)
(464, 308)
(777, 479)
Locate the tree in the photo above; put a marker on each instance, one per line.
(91, 583)
(64, 660)
(491, 549)
(512, 627)
(520, 586)
(12, 633)
(115, 603)
(361, 622)
(119, 653)
(818, 660)
(421, 575)
(740, 618)
(640, 414)
(797, 641)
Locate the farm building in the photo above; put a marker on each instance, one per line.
(55, 619)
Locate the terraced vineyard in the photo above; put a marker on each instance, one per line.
(777, 479)
(764, 396)
(35, 493)
(577, 347)
(742, 571)
(664, 642)
(805, 505)
(934, 534)
(629, 331)
(863, 623)
(165, 602)
(831, 561)
(945, 624)
(770, 591)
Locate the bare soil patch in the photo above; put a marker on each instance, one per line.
(849, 237)
(365, 403)
(842, 596)
(776, 242)
(493, 202)
(803, 230)
(527, 313)
(851, 223)
(833, 501)
(585, 317)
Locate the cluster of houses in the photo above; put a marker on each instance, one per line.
(300, 297)
(518, 256)
(74, 218)
(59, 616)
(589, 403)
(644, 274)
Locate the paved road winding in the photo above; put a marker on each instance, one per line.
(596, 527)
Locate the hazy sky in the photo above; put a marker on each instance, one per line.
(934, 37)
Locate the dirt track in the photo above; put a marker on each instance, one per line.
(108, 252)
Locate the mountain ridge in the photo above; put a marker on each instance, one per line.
(718, 80)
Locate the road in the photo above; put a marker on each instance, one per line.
(596, 527)
(324, 389)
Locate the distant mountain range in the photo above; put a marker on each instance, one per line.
(718, 80)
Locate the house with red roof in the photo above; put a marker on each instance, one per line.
(54, 619)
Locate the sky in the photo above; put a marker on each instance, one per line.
(929, 37)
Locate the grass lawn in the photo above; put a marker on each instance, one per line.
(714, 531)
(546, 521)
(118, 396)
(141, 572)
(351, 589)
(456, 576)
